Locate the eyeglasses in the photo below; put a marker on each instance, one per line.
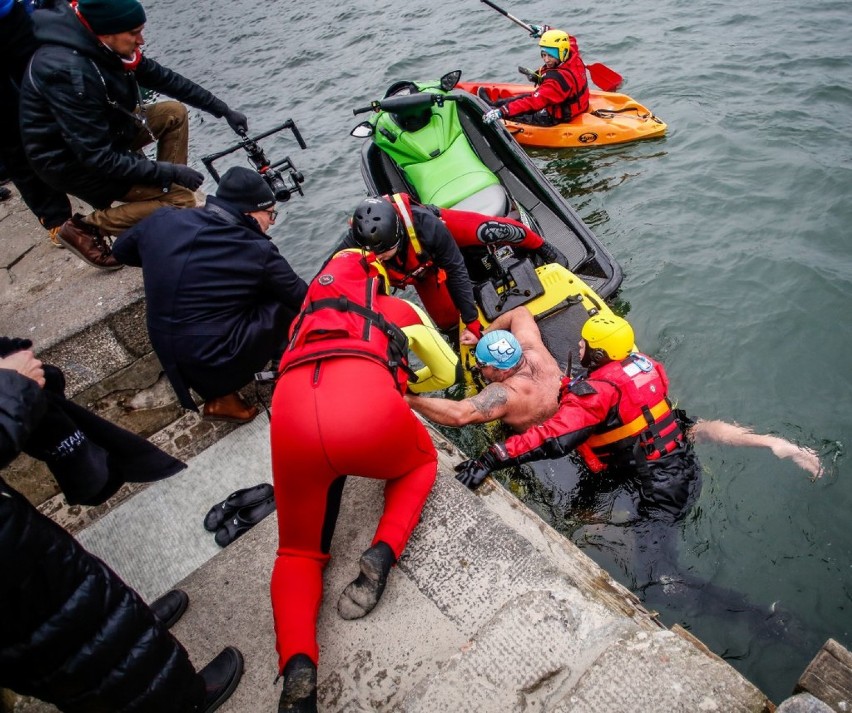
(273, 214)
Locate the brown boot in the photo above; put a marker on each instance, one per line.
(88, 243)
(230, 407)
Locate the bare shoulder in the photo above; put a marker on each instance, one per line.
(492, 401)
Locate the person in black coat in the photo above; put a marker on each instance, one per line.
(84, 121)
(17, 44)
(72, 632)
(220, 297)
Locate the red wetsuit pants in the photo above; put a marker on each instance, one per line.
(341, 416)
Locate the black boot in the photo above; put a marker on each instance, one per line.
(221, 677)
(299, 694)
(550, 254)
(361, 596)
(170, 607)
(482, 93)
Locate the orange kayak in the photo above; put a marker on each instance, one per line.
(612, 119)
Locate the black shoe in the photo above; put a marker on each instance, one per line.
(550, 254)
(361, 595)
(243, 521)
(300, 686)
(482, 93)
(170, 607)
(5, 194)
(221, 677)
(236, 500)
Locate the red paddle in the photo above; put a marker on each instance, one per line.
(607, 79)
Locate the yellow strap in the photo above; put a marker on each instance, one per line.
(636, 426)
(409, 225)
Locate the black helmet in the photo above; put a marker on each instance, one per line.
(376, 225)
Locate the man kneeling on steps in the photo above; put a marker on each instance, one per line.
(338, 409)
(220, 297)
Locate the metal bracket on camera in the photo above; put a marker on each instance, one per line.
(282, 176)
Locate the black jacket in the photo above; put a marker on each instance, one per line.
(71, 632)
(220, 297)
(77, 101)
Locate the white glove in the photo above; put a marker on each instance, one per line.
(538, 30)
(490, 117)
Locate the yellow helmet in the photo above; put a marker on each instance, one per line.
(556, 43)
(372, 265)
(608, 336)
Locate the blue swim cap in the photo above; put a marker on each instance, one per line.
(499, 349)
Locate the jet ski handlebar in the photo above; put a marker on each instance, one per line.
(407, 103)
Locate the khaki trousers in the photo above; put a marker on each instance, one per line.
(169, 123)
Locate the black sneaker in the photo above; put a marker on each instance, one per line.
(170, 607)
(5, 194)
(221, 677)
(361, 595)
(299, 694)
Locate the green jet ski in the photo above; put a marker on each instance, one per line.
(430, 142)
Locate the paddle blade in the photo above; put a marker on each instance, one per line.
(606, 78)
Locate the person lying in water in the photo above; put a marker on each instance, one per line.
(645, 475)
(524, 381)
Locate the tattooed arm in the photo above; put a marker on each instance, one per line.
(489, 404)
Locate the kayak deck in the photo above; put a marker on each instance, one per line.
(612, 119)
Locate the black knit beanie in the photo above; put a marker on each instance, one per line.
(110, 17)
(245, 190)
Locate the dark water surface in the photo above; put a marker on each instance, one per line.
(732, 231)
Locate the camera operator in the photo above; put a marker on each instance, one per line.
(220, 297)
(83, 121)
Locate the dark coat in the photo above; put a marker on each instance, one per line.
(220, 297)
(71, 632)
(77, 101)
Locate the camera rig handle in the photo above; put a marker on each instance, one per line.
(273, 173)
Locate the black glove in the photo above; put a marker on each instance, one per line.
(236, 120)
(534, 77)
(186, 176)
(472, 472)
(10, 345)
